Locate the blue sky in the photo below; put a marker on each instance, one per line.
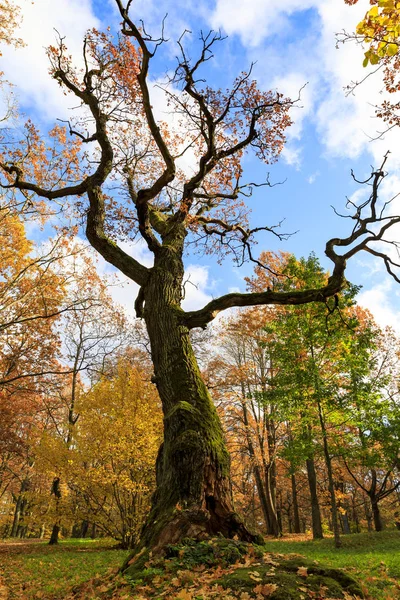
(292, 42)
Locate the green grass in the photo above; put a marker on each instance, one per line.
(34, 570)
(37, 570)
(372, 558)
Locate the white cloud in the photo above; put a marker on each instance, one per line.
(311, 178)
(346, 124)
(292, 155)
(28, 68)
(253, 20)
(197, 287)
(377, 300)
(197, 283)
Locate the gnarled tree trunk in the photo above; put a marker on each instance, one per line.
(193, 497)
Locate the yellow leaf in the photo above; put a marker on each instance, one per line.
(392, 49)
(266, 590)
(302, 571)
(185, 595)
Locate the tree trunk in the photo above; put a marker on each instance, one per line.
(315, 511)
(55, 489)
(296, 514)
(262, 497)
(19, 508)
(54, 535)
(193, 497)
(84, 528)
(344, 521)
(270, 494)
(376, 513)
(331, 485)
(261, 490)
(17, 516)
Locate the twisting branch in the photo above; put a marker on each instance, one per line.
(91, 185)
(129, 29)
(361, 236)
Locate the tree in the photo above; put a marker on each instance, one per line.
(92, 330)
(245, 384)
(380, 32)
(370, 395)
(115, 448)
(168, 210)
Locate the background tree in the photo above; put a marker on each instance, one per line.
(115, 448)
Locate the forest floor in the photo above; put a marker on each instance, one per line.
(293, 567)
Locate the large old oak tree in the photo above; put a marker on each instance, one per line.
(120, 171)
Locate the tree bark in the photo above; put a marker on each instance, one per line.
(296, 515)
(315, 510)
(19, 510)
(193, 497)
(54, 535)
(331, 485)
(376, 513)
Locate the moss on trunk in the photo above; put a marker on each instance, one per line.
(193, 497)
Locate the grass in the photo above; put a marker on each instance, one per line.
(371, 558)
(33, 570)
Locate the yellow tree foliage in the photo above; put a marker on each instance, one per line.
(380, 30)
(31, 294)
(110, 466)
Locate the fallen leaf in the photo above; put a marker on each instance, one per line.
(302, 571)
(266, 590)
(185, 595)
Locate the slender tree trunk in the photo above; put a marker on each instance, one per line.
(19, 508)
(315, 510)
(368, 515)
(296, 515)
(376, 513)
(193, 496)
(344, 520)
(262, 496)
(256, 467)
(270, 494)
(331, 485)
(55, 489)
(84, 528)
(54, 535)
(17, 516)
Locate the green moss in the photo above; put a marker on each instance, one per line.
(184, 406)
(246, 566)
(135, 571)
(218, 551)
(288, 581)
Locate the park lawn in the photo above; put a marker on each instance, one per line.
(33, 569)
(371, 558)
